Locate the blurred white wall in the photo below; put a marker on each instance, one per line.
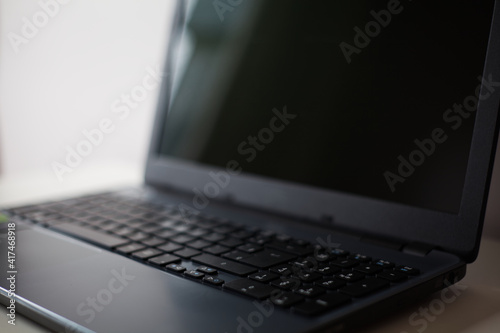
(63, 63)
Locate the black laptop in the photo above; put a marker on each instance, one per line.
(313, 166)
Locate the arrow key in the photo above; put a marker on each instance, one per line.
(365, 287)
(250, 288)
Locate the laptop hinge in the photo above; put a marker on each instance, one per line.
(418, 249)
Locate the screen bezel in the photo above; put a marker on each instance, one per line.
(457, 233)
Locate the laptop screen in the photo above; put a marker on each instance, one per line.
(372, 98)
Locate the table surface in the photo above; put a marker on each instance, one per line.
(475, 310)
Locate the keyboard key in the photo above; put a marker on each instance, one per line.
(249, 248)
(75, 214)
(109, 225)
(268, 258)
(286, 299)
(236, 255)
(187, 253)
(264, 277)
(313, 291)
(182, 228)
(242, 234)
(146, 253)
(207, 224)
(153, 241)
(408, 270)
(350, 277)
(330, 284)
(216, 249)
(369, 269)
(176, 268)
(360, 257)
(308, 276)
(164, 259)
(393, 276)
(51, 223)
(231, 242)
(181, 239)
(365, 287)
(284, 269)
(198, 232)
(282, 238)
(213, 237)
(289, 248)
(194, 274)
(306, 264)
(300, 242)
(321, 304)
(170, 247)
(327, 270)
(250, 288)
(345, 263)
(123, 231)
(259, 240)
(198, 244)
(323, 256)
(207, 270)
(129, 248)
(150, 227)
(134, 223)
(150, 216)
(138, 236)
(266, 233)
(224, 264)
(287, 283)
(91, 235)
(166, 233)
(339, 252)
(213, 280)
(384, 264)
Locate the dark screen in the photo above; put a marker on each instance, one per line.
(373, 98)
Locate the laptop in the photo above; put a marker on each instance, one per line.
(314, 165)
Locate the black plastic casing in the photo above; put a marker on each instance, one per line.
(456, 233)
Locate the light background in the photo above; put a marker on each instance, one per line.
(65, 79)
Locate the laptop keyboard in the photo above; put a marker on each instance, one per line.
(260, 264)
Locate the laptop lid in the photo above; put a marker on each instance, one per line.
(378, 117)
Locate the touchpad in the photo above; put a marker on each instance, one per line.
(40, 249)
